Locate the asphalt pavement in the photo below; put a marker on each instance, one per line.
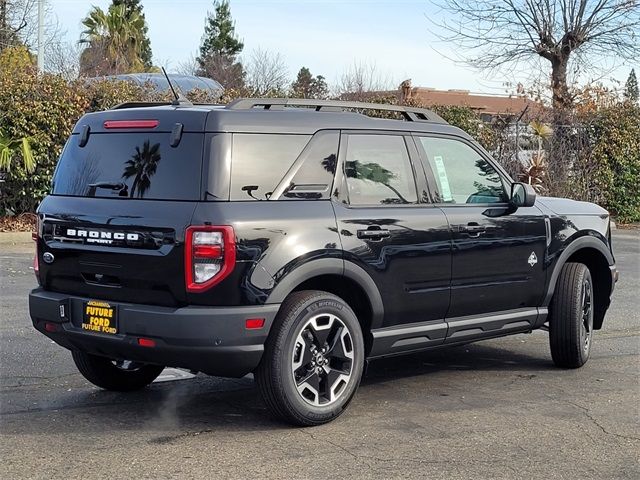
(495, 409)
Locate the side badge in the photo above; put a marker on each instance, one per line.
(48, 257)
(532, 259)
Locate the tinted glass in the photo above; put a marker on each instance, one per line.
(378, 170)
(462, 175)
(314, 177)
(260, 161)
(131, 165)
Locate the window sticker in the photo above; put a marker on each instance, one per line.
(444, 181)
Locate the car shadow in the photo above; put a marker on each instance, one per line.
(166, 411)
(471, 357)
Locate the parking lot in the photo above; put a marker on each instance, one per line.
(496, 409)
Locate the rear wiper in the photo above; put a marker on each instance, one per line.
(106, 185)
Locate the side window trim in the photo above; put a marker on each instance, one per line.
(433, 185)
(417, 152)
(341, 190)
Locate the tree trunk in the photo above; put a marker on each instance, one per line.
(561, 98)
(4, 31)
(560, 154)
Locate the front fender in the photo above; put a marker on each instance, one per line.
(572, 246)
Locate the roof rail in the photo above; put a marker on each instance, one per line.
(139, 105)
(410, 114)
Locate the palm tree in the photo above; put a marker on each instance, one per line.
(535, 173)
(10, 148)
(114, 41)
(142, 166)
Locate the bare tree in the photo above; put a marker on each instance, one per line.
(63, 58)
(362, 79)
(188, 66)
(267, 73)
(223, 69)
(19, 26)
(16, 19)
(496, 33)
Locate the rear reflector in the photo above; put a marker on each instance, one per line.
(131, 124)
(50, 327)
(254, 323)
(146, 342)
(203, 251)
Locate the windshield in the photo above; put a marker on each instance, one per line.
(131, 165)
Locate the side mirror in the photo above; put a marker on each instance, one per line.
(522, 195)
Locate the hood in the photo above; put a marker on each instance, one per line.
(566, 206)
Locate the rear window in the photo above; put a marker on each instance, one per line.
(131, 165)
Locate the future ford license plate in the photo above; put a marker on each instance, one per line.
(100, 317)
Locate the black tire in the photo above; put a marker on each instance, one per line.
(571, 317)
(294, 350)
(104, 373)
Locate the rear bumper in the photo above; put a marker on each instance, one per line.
(212, 340)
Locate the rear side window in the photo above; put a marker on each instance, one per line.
(312, 175)
(260, 161)
(131, 165)
(378, 170)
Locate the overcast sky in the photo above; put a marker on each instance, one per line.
(325, 36)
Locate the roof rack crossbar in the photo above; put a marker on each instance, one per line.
(410, 114)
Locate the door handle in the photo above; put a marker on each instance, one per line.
(473, 229)
(373, 233)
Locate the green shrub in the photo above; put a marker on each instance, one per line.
(468, 120)
(42, 108)
(616, 157)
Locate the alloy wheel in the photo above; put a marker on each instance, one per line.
(322, 360)
(586, 327)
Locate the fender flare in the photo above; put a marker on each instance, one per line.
(331, 266)
(573, 247)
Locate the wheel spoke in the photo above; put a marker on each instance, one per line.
(328, 381)
(310, 386)
(311, 378)
(321, 329)
(302, 354)
(341, 348)
(335, 344)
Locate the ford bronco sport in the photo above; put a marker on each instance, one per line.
(297, 240)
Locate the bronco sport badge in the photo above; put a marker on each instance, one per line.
(532, 259)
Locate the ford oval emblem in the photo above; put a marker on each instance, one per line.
(48, 257)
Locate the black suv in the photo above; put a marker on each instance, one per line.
(296, 240)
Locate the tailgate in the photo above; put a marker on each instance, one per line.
(107, 250)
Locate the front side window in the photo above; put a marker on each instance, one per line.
(378, 171)
(260, 161)
(462, 175)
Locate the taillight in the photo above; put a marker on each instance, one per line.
(210, 256)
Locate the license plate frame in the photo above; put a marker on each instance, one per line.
(99, 317)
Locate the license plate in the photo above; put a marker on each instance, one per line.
(100, 317)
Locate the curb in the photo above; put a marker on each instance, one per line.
(15, 238)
